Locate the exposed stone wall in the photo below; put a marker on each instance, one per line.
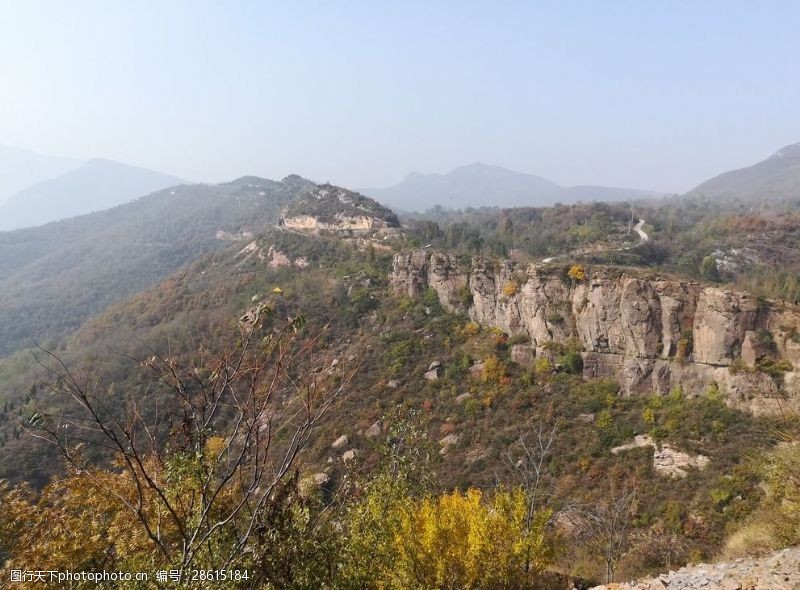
(342, 222)
(650, 335)
(720, 323)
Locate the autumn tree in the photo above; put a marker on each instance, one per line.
(463, 540)
(577, 272)
(529, 462)
(375, 502)
(659, 545)
(605, 526)
(201, 482)
(399, 536)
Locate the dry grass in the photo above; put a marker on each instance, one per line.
(754, 539)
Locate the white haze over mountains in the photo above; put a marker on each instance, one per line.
(20, 168)
(482, 185)
(39, 189)
(775, 178)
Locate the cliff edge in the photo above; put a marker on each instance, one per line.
(650, 334)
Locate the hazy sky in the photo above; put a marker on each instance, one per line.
(646, 94)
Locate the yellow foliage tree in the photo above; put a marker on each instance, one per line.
(471, 329)
(80, 522)
(493, 370)
(459, 541)
(510, 289)
(15, 513)
(216, 494)
(576, 272)
(369, 554)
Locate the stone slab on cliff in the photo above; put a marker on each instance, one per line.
(720, 323)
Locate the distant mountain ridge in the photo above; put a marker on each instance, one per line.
(483, 185)
(775, 179)
(96, 185)
(21, 168)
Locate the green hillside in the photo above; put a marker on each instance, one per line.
(343, 293)
(774, 180)
(54, 277)
(424, 394)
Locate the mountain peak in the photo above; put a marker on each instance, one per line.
(479, 166)
(101, 162)
(488, 185)
(247, 180)
(775, 179)
(298, 182)
(791, 151)
(474, 168)
(97, 184)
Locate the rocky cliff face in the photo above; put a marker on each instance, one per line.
(650, 334)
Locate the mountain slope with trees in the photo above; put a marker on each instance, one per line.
(475, 412)
(430, 452)
(54, 277)
(774, 180)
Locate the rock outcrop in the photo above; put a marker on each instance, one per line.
(777, 571)
(273, 257)
(672, 463)
(667, 460)
(339, 222)
(331, 208)
(523, 354)
(650, 334)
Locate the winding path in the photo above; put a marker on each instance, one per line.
(637, 228)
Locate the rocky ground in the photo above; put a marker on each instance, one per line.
(778, 571)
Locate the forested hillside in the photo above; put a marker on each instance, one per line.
(756, 248)
(52, 278)
(479, 407)
(381, 408)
